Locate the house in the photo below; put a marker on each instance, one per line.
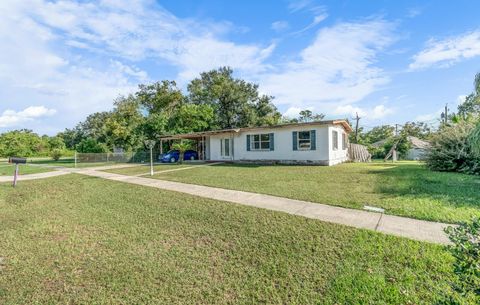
(418, 149)
(321, 142)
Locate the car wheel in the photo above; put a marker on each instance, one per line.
(192, 158)
(172, 160)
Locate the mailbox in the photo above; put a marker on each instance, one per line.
(17, 160)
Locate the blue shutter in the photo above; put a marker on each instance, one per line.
(272, 142)
(248, 142)
(313, 140)
(294, 138)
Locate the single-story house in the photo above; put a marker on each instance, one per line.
(321, 142)
(417, 151)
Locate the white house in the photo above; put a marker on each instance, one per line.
(322, 143)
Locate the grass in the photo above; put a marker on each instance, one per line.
(85, 240)
(145, 169)
(24, 169)
(405, 188)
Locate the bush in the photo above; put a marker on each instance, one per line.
(56, 154)
(451, 150)
(90, 145)
(466, 251)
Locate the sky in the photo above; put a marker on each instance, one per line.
(388, 61)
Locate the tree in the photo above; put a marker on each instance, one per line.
(378, 133)
(90, 145)
(451, 149)
(192, 118)
(417, 129)
(160, 97)
(471, 106)
(71, 137)
(21, 143)
(56, 143)
(182, 147)
(236, 103)
(308, 116)
(123, 125)
(266, 112)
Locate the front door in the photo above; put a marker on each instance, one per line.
(226, 148)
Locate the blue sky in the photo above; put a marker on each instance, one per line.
(390, 61)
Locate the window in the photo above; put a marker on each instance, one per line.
(225, 147)
(344, 141)
(260, 141)
(304, 140)
(335, 139)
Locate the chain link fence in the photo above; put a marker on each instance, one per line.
(123, 157)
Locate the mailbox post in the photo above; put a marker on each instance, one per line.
(16, 161)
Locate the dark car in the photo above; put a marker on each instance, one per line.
(173, 156)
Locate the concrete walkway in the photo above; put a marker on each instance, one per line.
(33, 176)
(400, 226)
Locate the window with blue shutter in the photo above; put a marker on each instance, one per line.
(272, 142)
(294, 140)
(248, 142)
(313, 140)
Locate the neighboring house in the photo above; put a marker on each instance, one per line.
(417, 151)
(322, 142)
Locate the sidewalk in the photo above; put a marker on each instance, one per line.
(394, 225)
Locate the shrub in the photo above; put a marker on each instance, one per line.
(451, 149)
(56, 154)
(466, 251)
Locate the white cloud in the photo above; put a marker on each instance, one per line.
(448, 51)
(338, 68)
(375, 113)
(10, 118)
(78, 56)
(279, 25)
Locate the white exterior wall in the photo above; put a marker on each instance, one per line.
(339, 155)
(416, 154)
(283, 146)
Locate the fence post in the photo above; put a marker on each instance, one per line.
(75, 159)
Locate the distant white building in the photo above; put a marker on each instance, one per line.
(322, 143)
(418, 149)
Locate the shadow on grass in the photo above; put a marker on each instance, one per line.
(414, 180)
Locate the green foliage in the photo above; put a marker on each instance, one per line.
(192, 118)
(471, 105)
(160, 97)
(451, 149)
(466, 251)
(417, 129)
(56, 154)
(182, 147)
(90, 145)
(236, 103)
(21, 143)
(474, 140)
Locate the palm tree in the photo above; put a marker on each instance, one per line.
(182, 147)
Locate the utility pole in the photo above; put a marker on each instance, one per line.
(394, 151)
(446, 113)
(357, 118)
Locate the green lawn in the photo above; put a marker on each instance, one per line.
(405, 188)
(85, 240)
(145, 169)
(24, 169)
